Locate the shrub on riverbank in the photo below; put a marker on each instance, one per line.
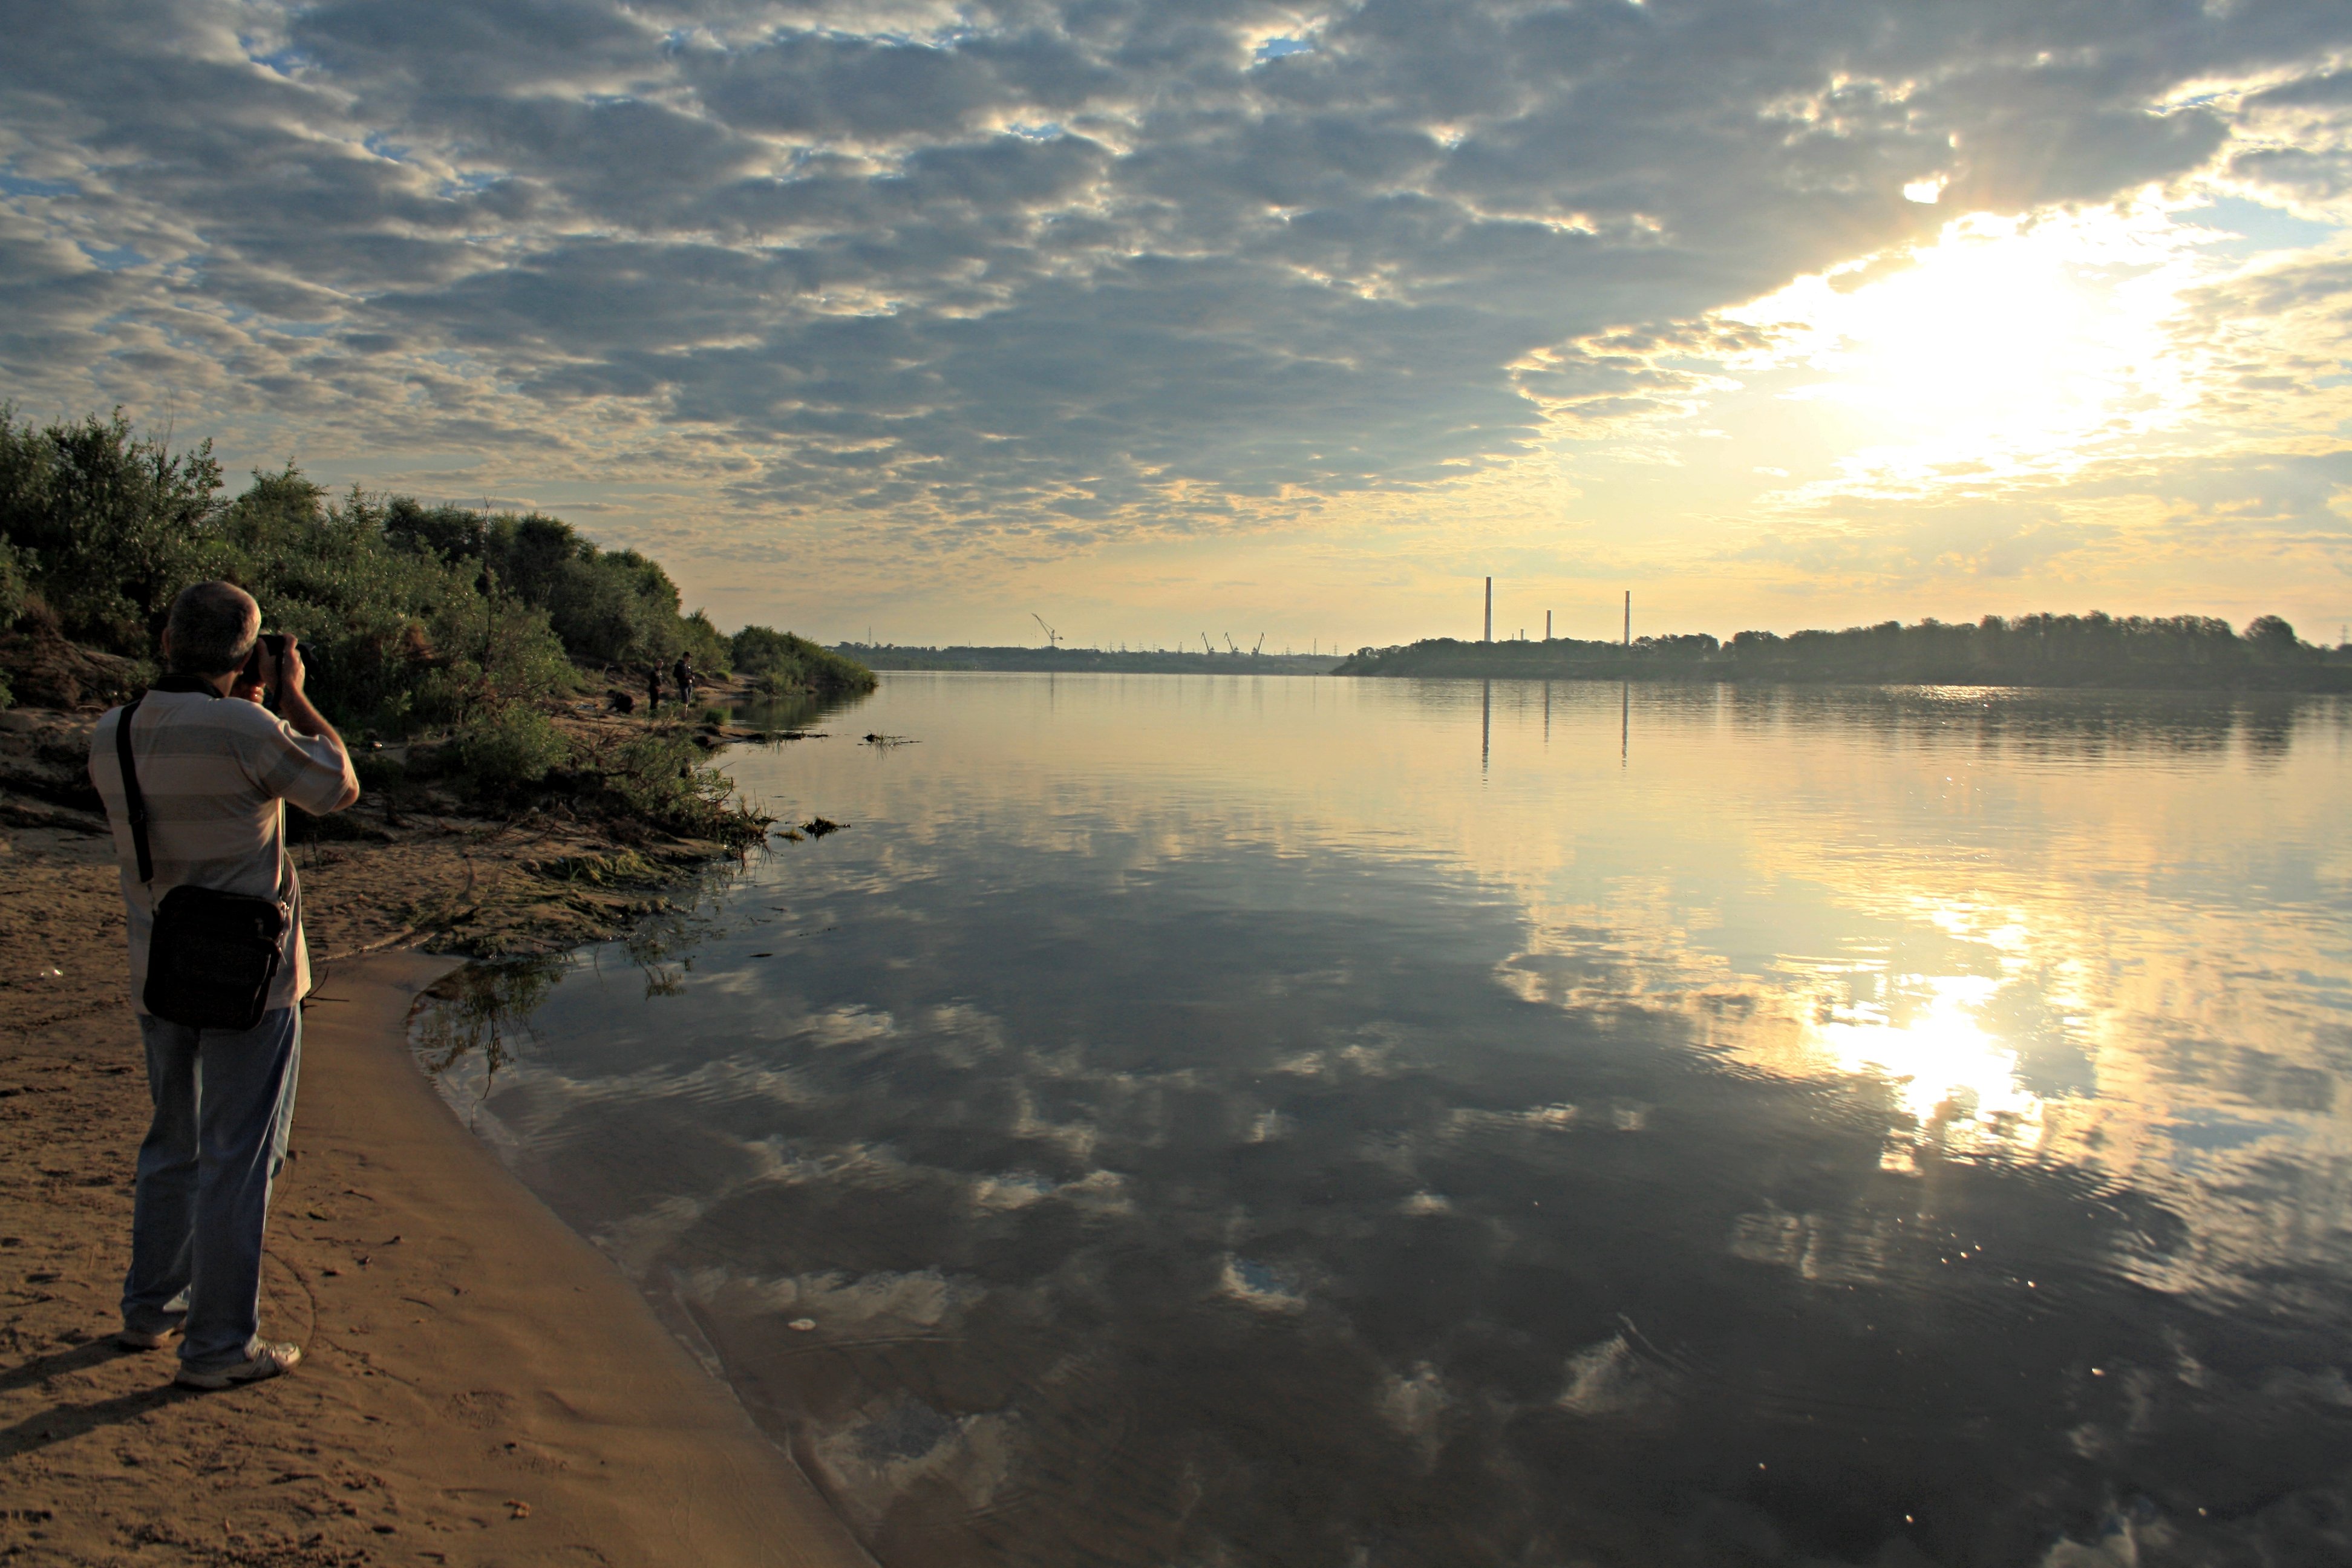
(106, 524)
(411, 616)
(509, 749)
(414, 619)
(394, 637)
(780, 663)
(638, 785)
(606, 607)
(661, 782)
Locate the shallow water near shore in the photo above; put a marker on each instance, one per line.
(1227, 1120)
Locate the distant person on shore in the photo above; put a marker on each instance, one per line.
(683, 672)
(211, 773)
(653, 689)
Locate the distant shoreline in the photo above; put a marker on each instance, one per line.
(2176, 653)
(2310, 680)
(2322, 681)
(1074, 660)
(2037, 652)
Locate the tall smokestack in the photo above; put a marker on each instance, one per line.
(1629, 617)
(1547, 626)
(1490, 609)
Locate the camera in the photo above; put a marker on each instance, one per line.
(268, 649)
(262, 662)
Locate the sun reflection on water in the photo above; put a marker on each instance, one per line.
(1949, 1073)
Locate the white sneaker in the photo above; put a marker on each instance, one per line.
(266, 1360)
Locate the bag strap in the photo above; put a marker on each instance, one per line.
(134, 800)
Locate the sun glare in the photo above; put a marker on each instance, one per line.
(2008, 346)
(1946, 1068)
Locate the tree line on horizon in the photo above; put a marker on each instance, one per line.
(2097, 649)
(411, 616)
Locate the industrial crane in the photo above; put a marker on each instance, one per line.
(1053, 638)
(1206, 646)
(1260, 643)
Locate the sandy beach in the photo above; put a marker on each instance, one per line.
(479, 1384)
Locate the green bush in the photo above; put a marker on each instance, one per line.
(410, 616)
(392, 636)
(504, 749)
(12, 583)
(108, 525)
(663, 782)
(609, 606)
(780, 663)
(12, 605)
(699, 640)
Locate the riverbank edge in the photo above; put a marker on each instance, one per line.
(479, 1384)
(539, 1315)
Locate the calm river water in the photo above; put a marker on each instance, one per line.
(1229, 1120)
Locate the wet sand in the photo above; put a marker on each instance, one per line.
(479, 1386)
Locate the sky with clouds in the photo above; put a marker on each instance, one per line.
(1229, 316)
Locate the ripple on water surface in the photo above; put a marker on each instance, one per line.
(1224, 1121)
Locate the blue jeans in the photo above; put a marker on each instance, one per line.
(224, 1101)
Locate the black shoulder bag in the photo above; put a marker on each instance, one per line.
(213, 954)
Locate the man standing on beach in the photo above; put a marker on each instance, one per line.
(683, 670)
(213, 772)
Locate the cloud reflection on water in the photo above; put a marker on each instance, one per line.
(1223, 1124)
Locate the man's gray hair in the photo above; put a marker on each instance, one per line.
(212, 628)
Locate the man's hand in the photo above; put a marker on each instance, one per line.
(294, 703)
(290, 671)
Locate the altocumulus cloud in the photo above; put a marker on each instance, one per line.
(1071, 269)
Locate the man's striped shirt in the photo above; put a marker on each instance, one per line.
(215, 771)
